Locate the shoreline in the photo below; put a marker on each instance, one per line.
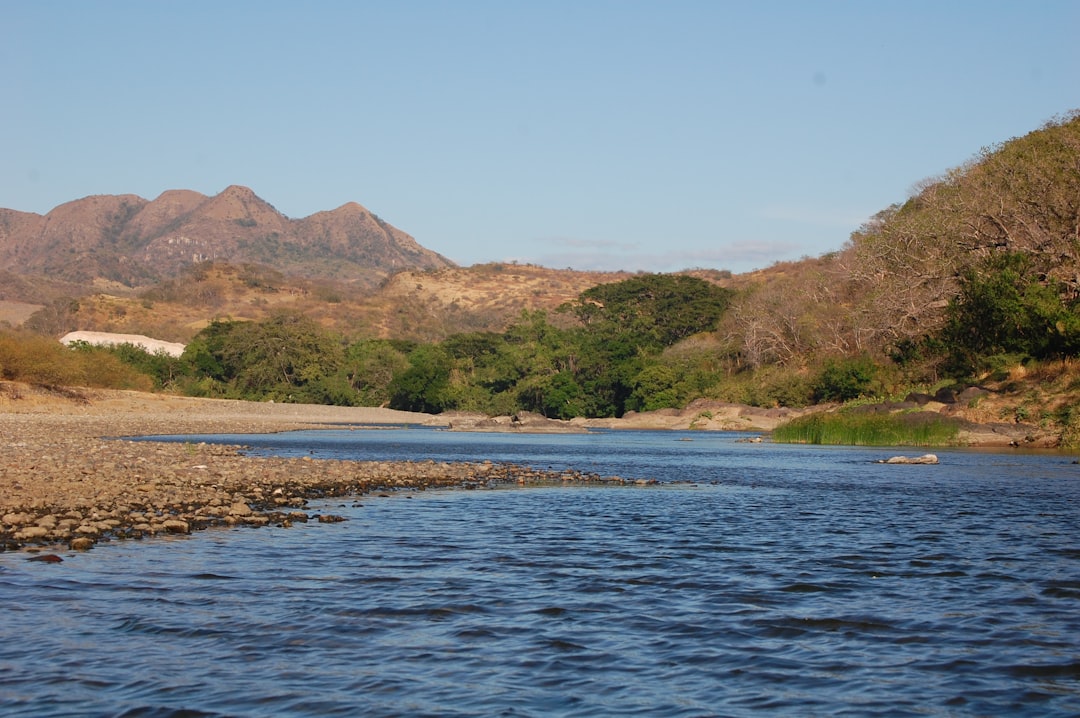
(68, 478)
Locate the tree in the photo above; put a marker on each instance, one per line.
(287, 357)
(656, 387)
(1019, 197)
(656, 310)
(425, 385)
(55, 319)
(1004, 307)
(844, 380)
(369, 366)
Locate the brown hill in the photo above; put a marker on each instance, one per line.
(424, 306)
(135, 242)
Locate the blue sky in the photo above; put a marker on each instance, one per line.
(588, 134)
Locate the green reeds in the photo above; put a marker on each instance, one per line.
(868, 429)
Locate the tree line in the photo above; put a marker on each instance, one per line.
(609, 363)
(978, 269)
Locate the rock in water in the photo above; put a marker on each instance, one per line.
(924, 459)
(46, 558)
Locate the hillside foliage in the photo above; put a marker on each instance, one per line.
(978, 270)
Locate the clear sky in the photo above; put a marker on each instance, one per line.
(590, 134)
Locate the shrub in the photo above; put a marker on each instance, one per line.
(35, 359)
(845, 379)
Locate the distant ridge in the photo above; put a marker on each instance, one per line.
(136, 242)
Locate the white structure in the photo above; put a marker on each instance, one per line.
(153, 346)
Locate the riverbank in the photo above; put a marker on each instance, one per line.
(65, 482)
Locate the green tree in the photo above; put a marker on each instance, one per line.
(656, 387)
(556, 396)
(425, 385)
(655, 310)
(287, 357)
(844, 379)
(370, 365)
(1005, 306)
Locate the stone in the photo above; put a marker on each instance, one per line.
(924, 459)
(176, 526)
(17, 519)
(31, 532)
(330, 519)
(945, 395)
(240, 509)
(971, 394)
(82, 543)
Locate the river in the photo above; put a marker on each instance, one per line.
(752, 579)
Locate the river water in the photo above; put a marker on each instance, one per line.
(754, 579)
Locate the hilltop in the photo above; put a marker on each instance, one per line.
(167, 267)
(125, 241)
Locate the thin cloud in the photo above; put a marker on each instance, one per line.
(589, 244)
(735, 256)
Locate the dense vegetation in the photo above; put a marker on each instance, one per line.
(978, 271)
(610, 364)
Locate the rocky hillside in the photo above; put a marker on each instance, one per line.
(133, 242)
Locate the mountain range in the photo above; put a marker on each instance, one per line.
(137, 242)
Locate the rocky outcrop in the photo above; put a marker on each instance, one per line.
(703, 414)
(524, 422)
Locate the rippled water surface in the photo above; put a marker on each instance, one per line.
(756, 579)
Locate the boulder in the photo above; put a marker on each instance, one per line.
(924, 459)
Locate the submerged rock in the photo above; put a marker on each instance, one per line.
(924, 459)
(46, 558)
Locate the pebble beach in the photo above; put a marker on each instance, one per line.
(70, 480)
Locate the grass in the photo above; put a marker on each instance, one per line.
(868, 429)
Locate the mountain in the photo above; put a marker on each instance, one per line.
(135, 242)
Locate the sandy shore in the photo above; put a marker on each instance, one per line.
(65, 482)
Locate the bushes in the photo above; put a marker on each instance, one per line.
(845, 379)
(35, 359)
(768, 386)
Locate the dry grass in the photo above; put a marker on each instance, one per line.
(417, 305)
